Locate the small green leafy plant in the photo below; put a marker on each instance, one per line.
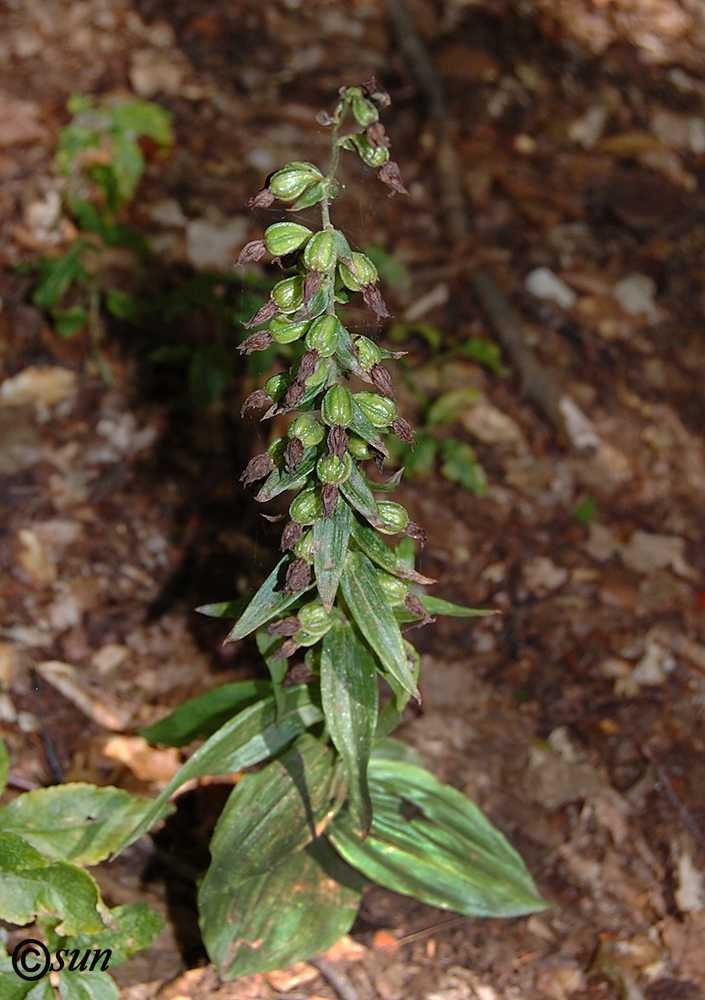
(100, 154)
(47, 836)
(335, 802)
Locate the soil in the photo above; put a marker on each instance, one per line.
(574, 717)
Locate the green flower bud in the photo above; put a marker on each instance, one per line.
(394, 516)
(285, 237)
(277, 448)
(292, 180)
(368, 352)
(308, 429)
(303, 549)
(379, 411)
(366, 272)
(358, 448)
(337, 407)
(307, 507)
(332, 469)
(276, 386)
(394, 588)
(319, 254)
(289, 294)
(364, 112)
(323, 335)
(284, 332)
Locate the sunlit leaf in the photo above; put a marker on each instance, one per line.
(430, 842)
(87, 986)
(452, 405)
(133, 927)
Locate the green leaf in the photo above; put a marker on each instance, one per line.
(74, 822)
(209, 374)
(401, 331)
(4, 766)
(460, 465)
(225, 609)
(350, 698)
(268, 603)
(134, 927)
(437, 606)
(55, 276)
(364, 428)
(390, 749)
(127, 165)
(270, 921)
(585, 511)
(360, 496)
(87, 986)
(280, 479)
(200, 717)
(69, 322)
(249, 738)
(373, 616)
(484, 352)
(144, 118)
(452, 405)
(391, 271)
(272, 814)
(31, 885)
(330, 544)
(120, 304)
(14, 988)
(269, 646)
(372, 545)
(430, 842)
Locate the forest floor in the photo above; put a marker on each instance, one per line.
(575, 717)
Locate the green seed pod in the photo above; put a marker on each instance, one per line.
(303, 549)
(364, 112)
(319, 376)
(289, 294)
(314, 618)
(307, 507)
(394, 588)
(285, 237)
(276, 386)
(358, 448)
(323, 335)
(277, 448)
(366, 272)
(308, 429)
(284, 332)
(337, 406)
(379, 411)
(394, 516)
(371, 154)
(367, 351)
(292, 180)
(334, 470)
(319, 254)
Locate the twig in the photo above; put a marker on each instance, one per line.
(538, 384)
(673, 797)
(337, 979)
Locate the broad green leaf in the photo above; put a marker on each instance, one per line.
(14, 988)
(200, 717)
(120, 304)
(273, 814)
(134, 927)
(69, 322)
(485, 352)
(270, 921)
(373, 616)
(360, 496)
(87, 986)
(74, 822)
(390, 749)
(31, 885)
(460, 466)
(430, 842)
(55, 276)
(279, 480)
(252, 736)
(268, 603)
(372, 545)
(350, 698)
(451, 405)
(4, 766)
(144, 118)
(330, 539)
